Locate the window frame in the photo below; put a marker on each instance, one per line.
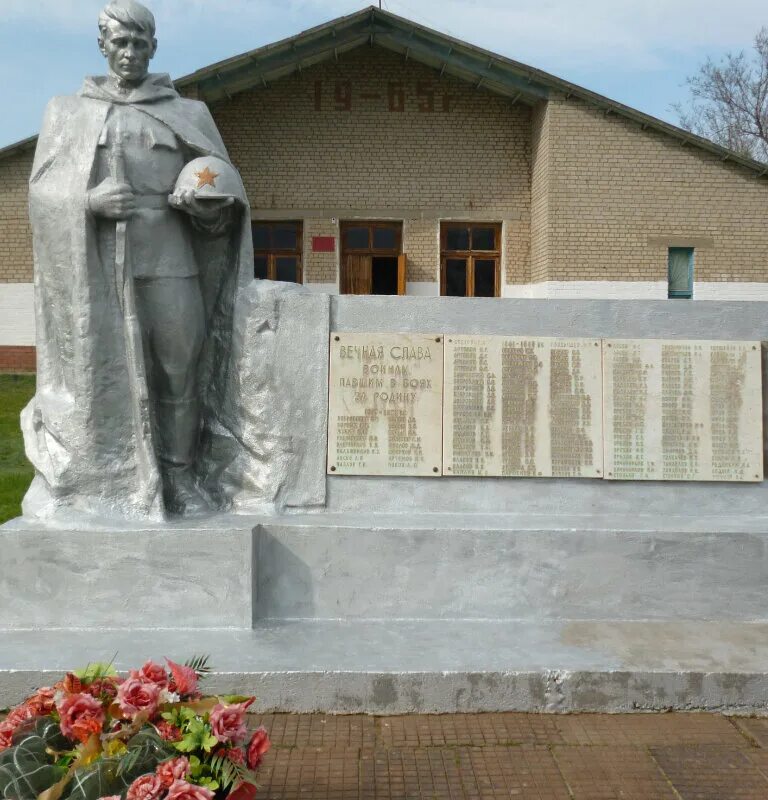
(680, 294)
(470, 254)
(273, 253)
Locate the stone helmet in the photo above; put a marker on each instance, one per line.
(211, 178)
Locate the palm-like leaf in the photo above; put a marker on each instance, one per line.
(229, 773)
(199, 664)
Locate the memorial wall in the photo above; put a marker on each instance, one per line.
(616, 409)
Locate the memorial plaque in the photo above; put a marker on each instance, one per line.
(683, 410)
(385, 404)
(522, 407)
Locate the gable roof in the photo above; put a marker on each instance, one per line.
(444, 53)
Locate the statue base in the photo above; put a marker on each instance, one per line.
(462, 612)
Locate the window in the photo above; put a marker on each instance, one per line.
(371, 258)
(470, 256)
(680, 272)
(277, 250)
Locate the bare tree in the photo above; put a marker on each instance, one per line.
(729, 101)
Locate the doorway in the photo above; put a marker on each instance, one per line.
(372, 261)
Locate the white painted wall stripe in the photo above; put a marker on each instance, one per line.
(17, 314)
(322, 288)
(635, 290)
(423, 288)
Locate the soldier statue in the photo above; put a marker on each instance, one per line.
(140, 231)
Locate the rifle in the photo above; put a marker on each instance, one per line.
(147, 469)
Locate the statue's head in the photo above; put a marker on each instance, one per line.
(127, 39)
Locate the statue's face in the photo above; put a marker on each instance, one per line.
(128, 51)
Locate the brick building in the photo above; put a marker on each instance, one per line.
(382, 157)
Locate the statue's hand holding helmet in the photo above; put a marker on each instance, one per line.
(206, 186)
(207, 210)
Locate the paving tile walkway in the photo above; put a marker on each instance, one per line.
(681, 756)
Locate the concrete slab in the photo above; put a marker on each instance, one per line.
(403, 667)
(132, 577)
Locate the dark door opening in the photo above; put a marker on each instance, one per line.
(384, 275)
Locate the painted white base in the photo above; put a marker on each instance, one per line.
(423, 288)
(17, 315)
(323, 288)
(634, 290)
(589, 290)
(730, 291)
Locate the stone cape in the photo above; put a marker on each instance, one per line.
(78, 428)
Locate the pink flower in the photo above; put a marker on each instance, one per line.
(228, 723)
(111, 797)
(135, 696)
(102, 689)
(257, 747)
(173, 770)
(152, 673)
(243, 791)
(42, 701)
(6, 735)
(184, 678)
(146, 787)
(21, 714)
(168, 732)
(181, 790)
(236, 755)
(81, 716)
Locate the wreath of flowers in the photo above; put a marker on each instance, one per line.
(149, 736)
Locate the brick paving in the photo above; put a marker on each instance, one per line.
(681, 756)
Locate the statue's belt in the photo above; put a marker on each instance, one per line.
(156, 201)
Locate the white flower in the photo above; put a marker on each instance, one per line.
(169, 697)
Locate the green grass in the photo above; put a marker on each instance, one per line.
(15, 471)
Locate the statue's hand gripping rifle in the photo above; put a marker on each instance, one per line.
(148, 474)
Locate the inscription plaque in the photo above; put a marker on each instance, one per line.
(385, 404)
(682, 410)
(526, 406)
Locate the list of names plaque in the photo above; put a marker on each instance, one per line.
(683, 410)
(385, 404)
(522, 407)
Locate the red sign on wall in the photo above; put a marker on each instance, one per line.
(323, 244)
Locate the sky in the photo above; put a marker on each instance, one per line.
(638, 52)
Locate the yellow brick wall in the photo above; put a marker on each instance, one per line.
(321, 266)
(541, 145)
(619, 195)
(583, 195)
(15, 233)
(472, 161)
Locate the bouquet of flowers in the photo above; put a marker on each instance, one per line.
(150, 736)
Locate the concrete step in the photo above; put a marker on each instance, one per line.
(233, 572)
(497, 567)
(437, 666)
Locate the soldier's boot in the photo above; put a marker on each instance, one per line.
(178, 424)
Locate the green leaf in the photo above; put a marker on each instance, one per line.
(27, 769)
(232, 699)
(110, 776)
(99, 669)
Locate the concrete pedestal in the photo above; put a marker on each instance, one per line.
(399, 613)
(388, 595)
